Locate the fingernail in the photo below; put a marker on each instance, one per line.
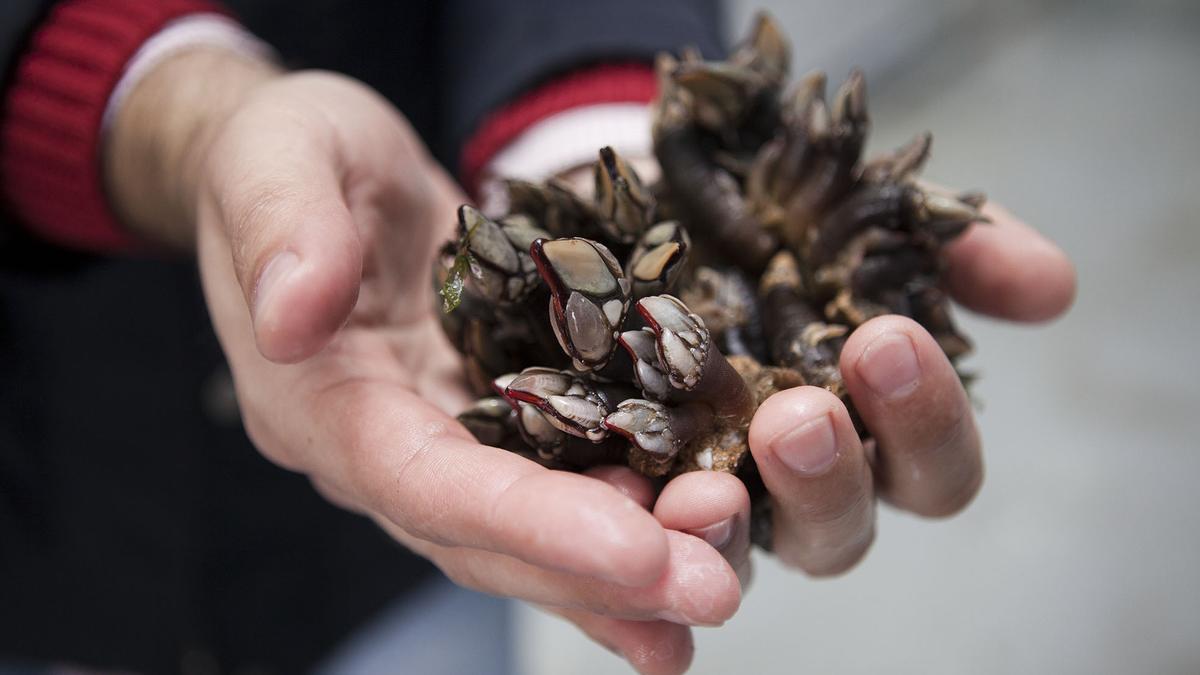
(809, 449)
(273, 275)
(889, 366)
(717, 535)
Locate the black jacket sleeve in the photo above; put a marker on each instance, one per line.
(492, 50)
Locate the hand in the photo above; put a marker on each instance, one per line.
(925, 457)
(317, 212)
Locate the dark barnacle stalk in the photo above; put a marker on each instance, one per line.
(849, 125)
(781, 163)
(920, 216)
(813, 162)
(875, 275)
(879, 207)
(708, 197)
(797, 336)
(879, 249)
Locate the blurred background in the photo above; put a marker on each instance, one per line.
(1082, 554)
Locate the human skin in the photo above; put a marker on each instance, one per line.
(315, 213)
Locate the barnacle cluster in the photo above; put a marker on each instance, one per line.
(644, 325)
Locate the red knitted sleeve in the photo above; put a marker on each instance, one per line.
(50, 122)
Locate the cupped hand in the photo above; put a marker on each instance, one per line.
(926, 454)
(319, 213)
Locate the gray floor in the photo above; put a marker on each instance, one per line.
(1082, 555)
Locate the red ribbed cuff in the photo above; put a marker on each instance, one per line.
(50, 125)
(610, 83)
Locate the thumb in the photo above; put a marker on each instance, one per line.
(296, 250)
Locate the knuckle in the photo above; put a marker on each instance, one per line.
(947, 430)
(406, 489)
(844, 500)
(400, 476)
(933, 427)
(396, 476)
(945, 469)
(825, 554)
(249, 219)
(954, 498)
(827, 537)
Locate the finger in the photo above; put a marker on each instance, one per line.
(816, 471)
(296, 249)
(929, 459)
(1009, 270)
(712, 506)
(423, 471)
(627, 481)
(698, 587)
(651, 647)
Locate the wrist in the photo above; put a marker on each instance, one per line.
(160, 133)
